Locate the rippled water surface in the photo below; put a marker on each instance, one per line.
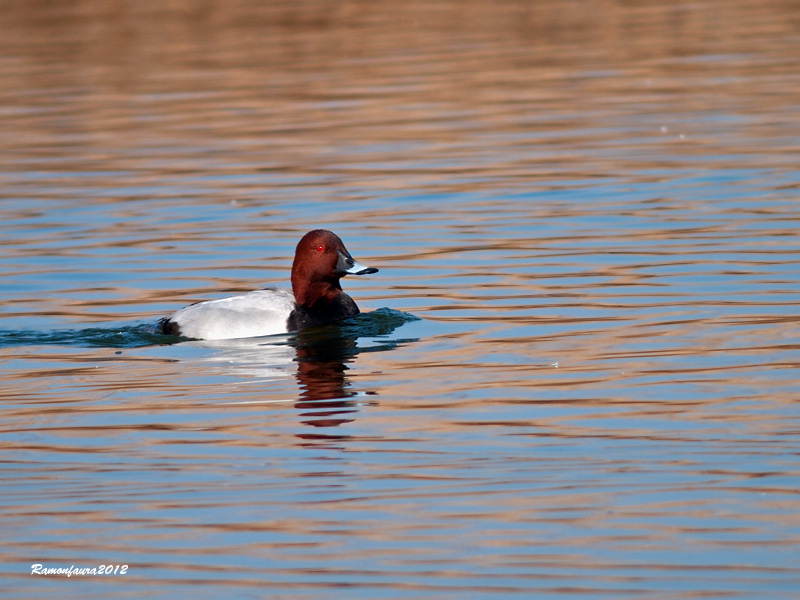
(575, 375)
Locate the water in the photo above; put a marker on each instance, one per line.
(575, 375)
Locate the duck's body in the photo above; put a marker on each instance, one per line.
(316, 298)
(257, 313)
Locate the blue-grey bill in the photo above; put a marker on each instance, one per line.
(359, 269)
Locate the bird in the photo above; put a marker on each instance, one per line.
(316, 298)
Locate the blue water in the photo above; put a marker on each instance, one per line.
(575, 375)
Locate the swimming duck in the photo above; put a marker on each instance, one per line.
(316, 298)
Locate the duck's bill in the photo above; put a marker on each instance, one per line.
(348, 265)
(358, 269)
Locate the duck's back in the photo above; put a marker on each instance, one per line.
(257, 313)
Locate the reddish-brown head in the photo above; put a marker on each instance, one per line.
(320, 260)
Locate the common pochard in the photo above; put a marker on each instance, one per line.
(320, 260)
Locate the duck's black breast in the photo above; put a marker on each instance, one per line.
(320, 314)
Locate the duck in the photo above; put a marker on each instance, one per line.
(316, 298)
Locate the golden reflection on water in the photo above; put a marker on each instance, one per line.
(396, 95)
(591, 205)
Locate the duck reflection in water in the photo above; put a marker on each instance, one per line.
(323, 354)
(318, 358)
(322, 358)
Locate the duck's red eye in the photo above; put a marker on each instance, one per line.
(320, 248)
